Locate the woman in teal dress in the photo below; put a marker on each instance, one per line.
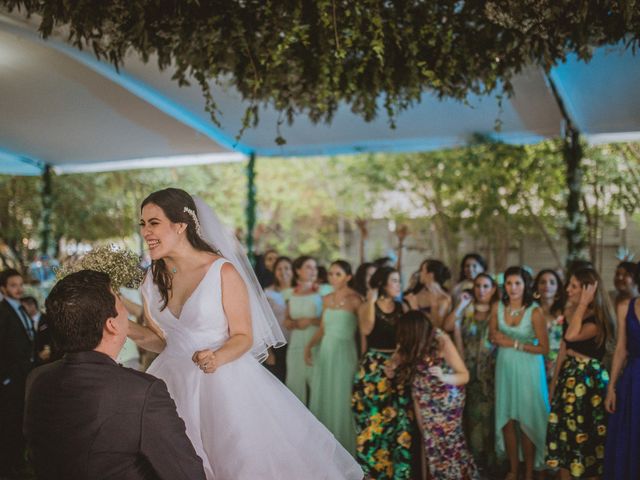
(522, 404)
(337, 359)
(304, 309)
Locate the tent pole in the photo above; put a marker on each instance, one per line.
(251, 206)
(572, 153)
(575, 232)
(47, 207)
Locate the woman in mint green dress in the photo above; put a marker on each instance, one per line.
(304, 309)
(336, 360)
(519, 330)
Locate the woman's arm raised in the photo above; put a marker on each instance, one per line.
(577, 330)
(367, 313)
(460, 374)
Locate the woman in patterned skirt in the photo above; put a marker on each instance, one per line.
(577, 423)
(427, 359)
(471, 319)
(387, 437)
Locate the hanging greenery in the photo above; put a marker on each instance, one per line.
(311, 56)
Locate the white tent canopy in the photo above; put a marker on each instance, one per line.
(62, 107)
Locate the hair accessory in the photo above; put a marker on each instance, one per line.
(193, 215)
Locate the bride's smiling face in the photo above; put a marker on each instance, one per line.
(161, 234)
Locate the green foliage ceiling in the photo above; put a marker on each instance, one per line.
(309, 56)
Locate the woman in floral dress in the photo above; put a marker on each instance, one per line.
(387, 440)
(427, 358)
(577, 424)
(471, 317)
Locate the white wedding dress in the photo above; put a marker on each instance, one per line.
(243, 423)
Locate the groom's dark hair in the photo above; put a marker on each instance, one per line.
(78, 308)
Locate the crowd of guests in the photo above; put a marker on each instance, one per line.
(494, 376)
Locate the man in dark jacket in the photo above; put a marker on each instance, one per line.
(86, 417)
(16, 361)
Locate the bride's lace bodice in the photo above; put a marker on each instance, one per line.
(202, 322)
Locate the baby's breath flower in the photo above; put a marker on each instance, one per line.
(122, 266)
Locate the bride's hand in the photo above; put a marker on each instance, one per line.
(206, 360)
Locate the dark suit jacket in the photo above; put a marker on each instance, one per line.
(16, 361)
(16, 348)
(88, 418)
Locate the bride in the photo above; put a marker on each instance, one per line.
(211, 324)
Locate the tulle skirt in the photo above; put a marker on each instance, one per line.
(246, 425)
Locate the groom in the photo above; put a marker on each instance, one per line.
(86, 417)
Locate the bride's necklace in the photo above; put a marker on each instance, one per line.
(515, 312)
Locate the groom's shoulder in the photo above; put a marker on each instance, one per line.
(96, 369)
(138, 377)
(141, 382)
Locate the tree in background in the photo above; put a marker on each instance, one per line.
(494, 193)
(19, 216)
(498, 193)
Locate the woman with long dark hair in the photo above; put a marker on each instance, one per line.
(303, 317)
(277, 295)
(621, 458)
(429, 295)
(362, 277)
(625, 283)
(427, 359)
(337, 358)
(471, 266)
(209, 319)
(473, 314)
(577, 423)
(385, 423)
(522, 408)
(550, 295)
